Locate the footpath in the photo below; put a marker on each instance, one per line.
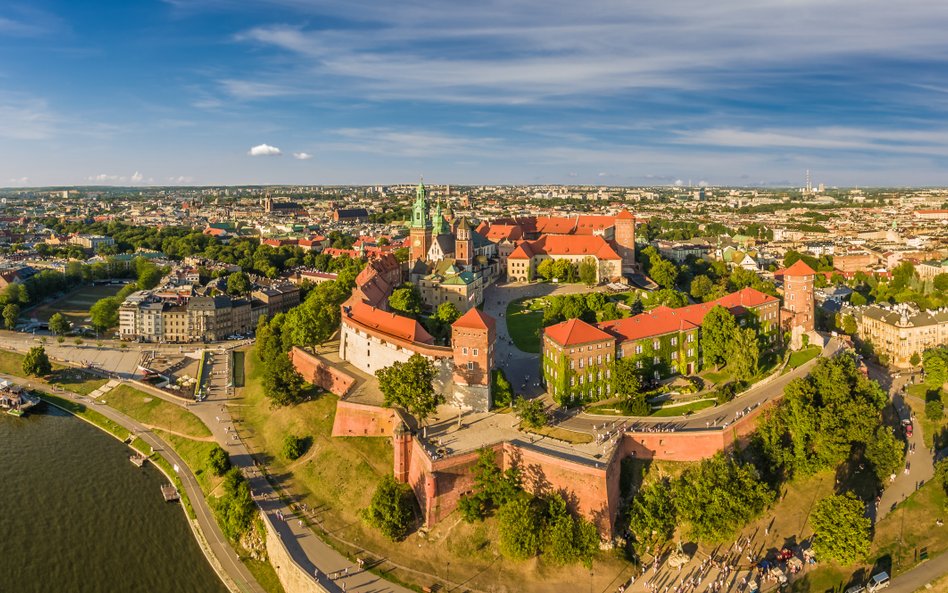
(222, 556)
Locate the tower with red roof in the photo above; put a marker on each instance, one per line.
(625, 240)
(472, 342)
(798, 298)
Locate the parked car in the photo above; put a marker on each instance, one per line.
(878, 581)
(907, 427)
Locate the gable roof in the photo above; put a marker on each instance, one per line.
(575, 331)
(390, 324)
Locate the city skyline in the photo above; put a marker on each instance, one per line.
(211, 92)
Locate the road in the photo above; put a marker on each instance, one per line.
(220, 548)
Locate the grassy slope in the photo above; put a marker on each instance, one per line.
(801, 357)
(69, 378)
(154, 411)
(337, 476)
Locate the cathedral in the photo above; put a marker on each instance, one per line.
(450, 261)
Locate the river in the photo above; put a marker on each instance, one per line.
(76, 516)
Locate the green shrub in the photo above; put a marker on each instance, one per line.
(294, 447)
(934, 409)
(218, 461)
(391, 509)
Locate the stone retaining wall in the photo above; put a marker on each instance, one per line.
(292, 576)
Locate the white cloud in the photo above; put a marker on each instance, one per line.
(20, 180)
(264, 150)
(180, 179)
(104, 178)
(302, 156)
(137, 177)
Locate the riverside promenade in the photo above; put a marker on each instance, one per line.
(220, 554)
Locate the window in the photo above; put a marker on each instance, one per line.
(674, 341)
(470, 365)
(638, 349)
(599, 359)
(691, 352)
(674, 355)
(691, 338)
(475, 352)
(656, 360)
(581, 361)
(464, 350)
(655, 344)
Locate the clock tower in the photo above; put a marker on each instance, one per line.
(420, 233)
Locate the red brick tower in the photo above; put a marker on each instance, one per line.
(625, 240)
(798, 296)
(401, 440)
(472, 339)
(464, 244)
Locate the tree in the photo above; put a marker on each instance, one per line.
(940, 282)
(857, 299)
(105, 313)
(235, 508)
(294, 446)
(391, 509)
(11, 312)
(218, 461)
(491, 487)
(545, 269)
(701, 285)
(588, 272)
(744, 354)
(59, 325)
(935, 364)
(408, 386)
(915, 359)
(405, 300)
(934, 409)
(447, 313)
(885, 452)
(281, 383)
(530, 412)
(627, 383)
(718, 496)
(664, 273)
(519, 525)
(849, 325)
(36, 362)
(567, 539)
(652, 516)
(501, 390)
(238, 283)
(717, 335)
(841, 529)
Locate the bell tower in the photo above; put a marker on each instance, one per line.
(420, 233)
(464, 244)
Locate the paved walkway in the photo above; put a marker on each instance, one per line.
(220, 548)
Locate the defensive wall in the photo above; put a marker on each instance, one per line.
(590, 487)
(292, 576)
(318, 372)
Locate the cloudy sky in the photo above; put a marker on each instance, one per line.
(732, 92)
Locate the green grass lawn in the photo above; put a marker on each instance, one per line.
(154, 411)
(713, 376)
(523, 325)
(237, 362)
(668, 411)
(195, 454)
(801, 357)
(75, 306)
(68, 378)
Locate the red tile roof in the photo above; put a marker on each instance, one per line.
(663, 320)
(799, 268)
(522, 251)
(575, 331)
(387, 323)
(624, 215)
(475, 319)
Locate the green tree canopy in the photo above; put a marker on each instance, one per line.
(105, 313)
(36, 362)
(701, 285)
(841, 529)
(405, 300)
(744, 354)
(519, 524)
(238, 283)
(652, 517)
(391, 509)
(718, 332)
(218, 461)
(59, 325)
(588, 271)
(11, 312)
(408, 385)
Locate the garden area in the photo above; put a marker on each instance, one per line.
(155, 412)
(75, 305)
(801, 357)
(524, 323)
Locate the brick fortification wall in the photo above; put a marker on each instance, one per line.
(319, 373)
(439, 484)
(361, 420)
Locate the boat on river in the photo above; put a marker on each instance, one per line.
(15, 399)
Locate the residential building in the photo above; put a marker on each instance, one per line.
(899, 331)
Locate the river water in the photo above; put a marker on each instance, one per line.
(76, 516)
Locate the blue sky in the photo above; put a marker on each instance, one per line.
(613, 92)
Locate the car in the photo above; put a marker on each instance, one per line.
(878, 582)
(856, 589)
(907, 427)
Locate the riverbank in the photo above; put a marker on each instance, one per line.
(235, 576)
